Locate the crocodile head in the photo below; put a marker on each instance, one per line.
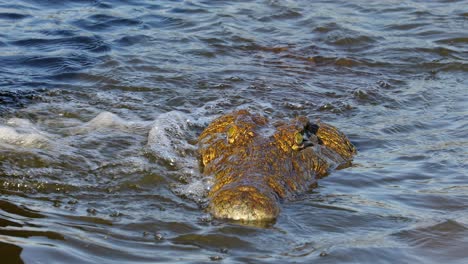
(257, 163)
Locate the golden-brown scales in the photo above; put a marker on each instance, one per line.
(257, 163)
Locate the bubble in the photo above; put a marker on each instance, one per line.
(196, 189)
(158, 236)
(216, 258)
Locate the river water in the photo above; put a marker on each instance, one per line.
(101, 103)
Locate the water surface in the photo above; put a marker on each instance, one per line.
(101, 103)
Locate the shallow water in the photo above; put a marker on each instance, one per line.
(101, 103)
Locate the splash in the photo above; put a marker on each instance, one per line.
(168, 138)
(21, 132)
(108, 149)
(172, 139)
(107, 120)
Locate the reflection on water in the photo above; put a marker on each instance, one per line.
(101, 103)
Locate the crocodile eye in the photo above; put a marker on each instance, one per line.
(298, 138)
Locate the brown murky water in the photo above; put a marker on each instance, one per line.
(101, 103)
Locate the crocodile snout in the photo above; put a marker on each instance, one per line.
(244, 203)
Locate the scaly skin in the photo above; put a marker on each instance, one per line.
(256, 163)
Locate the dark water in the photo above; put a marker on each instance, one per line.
(101, 103)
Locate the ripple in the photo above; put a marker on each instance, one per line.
(212, 241)
(445, 66)
(92, 44)
(15, 99)
(65, 3)
(19, 210)
(31, 233)
(405, 26)
(128, 41)
(448, 236)
(101, 22)
(352, 41)
(166, 22)
(284, 15)
(121, 89)
(58, 64)
(335, 107)
(13, 16)
(188, 11)
(460, 42)
(404, 128)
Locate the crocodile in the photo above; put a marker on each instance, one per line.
(257, 163)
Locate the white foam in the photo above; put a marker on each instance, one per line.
(22, 132)
(108, 120)
(197, 189)
(25, 137)
(20, 122)
(169, 140)
(168, 137)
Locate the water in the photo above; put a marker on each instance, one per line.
(101, 103)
